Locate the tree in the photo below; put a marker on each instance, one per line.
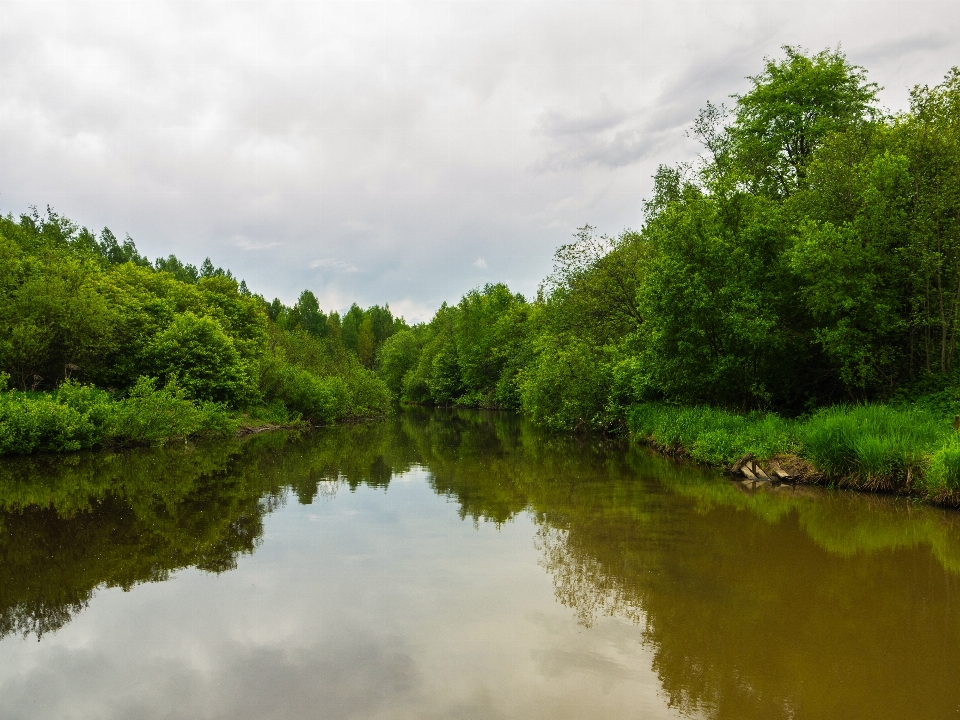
(307, 314)
(795, 103)
(350, 327)
(931, 141)
(366, 342)
(399, 356)
(201, 358)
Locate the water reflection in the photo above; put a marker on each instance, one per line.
(785, 603)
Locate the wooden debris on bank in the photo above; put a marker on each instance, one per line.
(756, 475)
(778, 471)
(741, 462)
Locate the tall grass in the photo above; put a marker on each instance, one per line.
(873, 447)
(710, 435)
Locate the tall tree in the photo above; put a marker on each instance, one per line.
(794, 104)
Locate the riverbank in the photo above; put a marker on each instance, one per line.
(906, 450)
(82, 417)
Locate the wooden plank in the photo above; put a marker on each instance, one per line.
(741, 462)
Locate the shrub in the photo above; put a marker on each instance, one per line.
(368, 394)
(398, 356)
(321, 400)
(38, 423)
(201, 357)
(566, 384)
(154, 415)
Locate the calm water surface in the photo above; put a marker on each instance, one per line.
(462, 565)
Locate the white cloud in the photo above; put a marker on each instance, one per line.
(411, 310)
(335, 264)
(248, 244)
(480, 264)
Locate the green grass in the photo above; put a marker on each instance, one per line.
(875, 446)
(713, 436)
(871, 447)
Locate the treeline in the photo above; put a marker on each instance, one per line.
(99, 345)
(811, 257)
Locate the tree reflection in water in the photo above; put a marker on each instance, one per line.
(774, 604)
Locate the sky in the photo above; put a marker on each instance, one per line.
(394, 152)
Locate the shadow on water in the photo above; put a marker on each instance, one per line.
(782, 603)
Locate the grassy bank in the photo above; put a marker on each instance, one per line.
(909, 449)
(78, 417)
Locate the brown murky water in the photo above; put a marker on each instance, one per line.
(462, 565)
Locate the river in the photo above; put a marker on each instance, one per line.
(462, 564)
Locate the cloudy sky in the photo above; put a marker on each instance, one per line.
(399, 152)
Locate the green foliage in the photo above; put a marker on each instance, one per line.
(320, 400)
(81, 416)
(566, 384)
(398, 357)
(201, 358)
(715, 305)
(321, 383)
(795, 103)
(150, 415)
(713, 436)
(469, 355)
(75, 308)
(38, 423)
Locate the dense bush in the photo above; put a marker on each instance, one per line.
(201, 358)
(81, 416)
(318, 399)
(38, 423)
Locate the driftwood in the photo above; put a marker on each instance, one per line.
(759, 471)
(748, 472)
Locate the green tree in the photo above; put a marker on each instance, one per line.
(793, 106)
(399, 356)
(202, 359)
(307, 314)
(930, 136)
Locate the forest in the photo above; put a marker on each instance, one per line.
(794, 292)
(100, 346)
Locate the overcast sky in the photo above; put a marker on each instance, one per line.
(399, 152)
